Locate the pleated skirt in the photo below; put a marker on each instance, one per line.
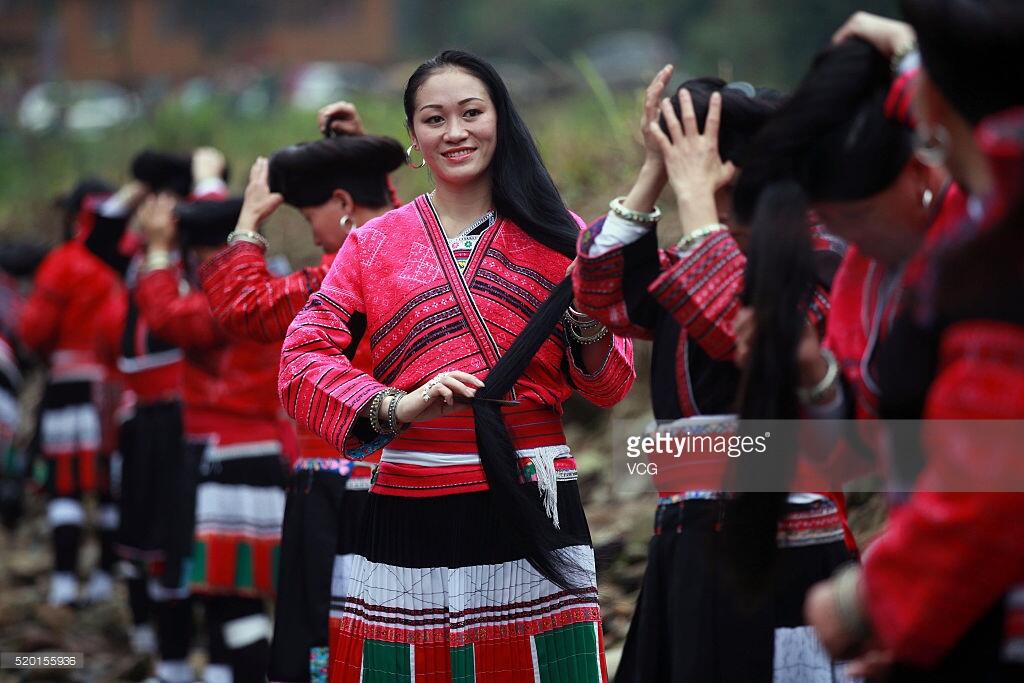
(238, 514)
(322, 515)
(437, 593)
(693, 623)
(152, 450)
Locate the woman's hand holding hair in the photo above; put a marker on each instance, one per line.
(259, 201)
(695, 169)
(440, 394)
(889, 36)
(342, 117)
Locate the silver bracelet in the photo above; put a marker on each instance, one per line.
(818, 391)
(689, 241)
(157, 259)
(396, 396)
(581, 336)
(250, 236)
(617, 207)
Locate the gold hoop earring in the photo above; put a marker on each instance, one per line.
(408, 158)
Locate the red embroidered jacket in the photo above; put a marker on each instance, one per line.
(424, 316)
(251, 303)
(59, 320)
(229, 388)
(947, 558)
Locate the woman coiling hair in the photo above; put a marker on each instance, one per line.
(475, 555)
(842, 146)
(954, 354)
(685, 298)
(337, 183)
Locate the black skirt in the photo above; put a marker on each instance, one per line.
(313, 516)
(152, 455)
(693, 623)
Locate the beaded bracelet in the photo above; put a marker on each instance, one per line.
(397, 396)
(689, 241)
(581, 338)
(249, 236)
(375, 402)
(617, 207)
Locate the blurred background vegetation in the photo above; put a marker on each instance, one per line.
(86, 83)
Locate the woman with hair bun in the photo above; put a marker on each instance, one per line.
(338, 183)
(474, 560)
(227, 517)
(693, 620)
(938, 597)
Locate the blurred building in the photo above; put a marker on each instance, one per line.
(131, 41)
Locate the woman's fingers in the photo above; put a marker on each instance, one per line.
(675, 131)
(466, 378)
(654, 91)
(688, 114)
(714, 118)
(664, 144)
(456, 386)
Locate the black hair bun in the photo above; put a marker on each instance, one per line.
(207, 223)
(307, 174)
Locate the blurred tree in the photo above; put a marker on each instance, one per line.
(767, 41)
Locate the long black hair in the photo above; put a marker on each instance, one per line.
(523, 191)
(831, 140)
(521, 187)
(307, 174)
(972, 51)
(832, 135)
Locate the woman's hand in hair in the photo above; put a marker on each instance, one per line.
(259, 201)
(441, 392)
(342, 117)
(889, 36)
(155, 219)
(695, 170)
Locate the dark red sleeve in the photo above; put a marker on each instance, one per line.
(947, 558)
(247, 300)
(183, 320)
